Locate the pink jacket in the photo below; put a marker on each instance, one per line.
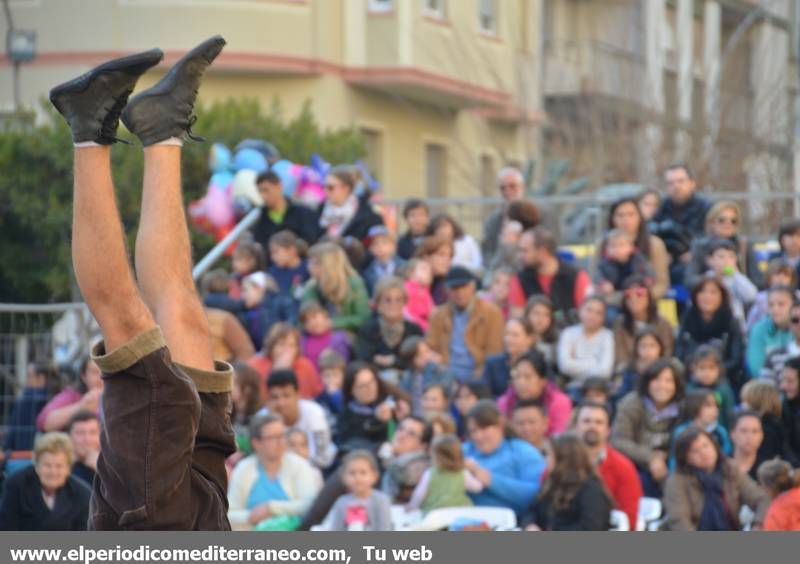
(556, 402)
(420, 304)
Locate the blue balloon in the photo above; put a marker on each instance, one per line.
(249, 159)
(221, 180)
(283, 168)
(219, 158)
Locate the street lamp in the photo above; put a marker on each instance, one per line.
(20, 48)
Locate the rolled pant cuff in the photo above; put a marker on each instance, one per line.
(128, 354)
(217, 381)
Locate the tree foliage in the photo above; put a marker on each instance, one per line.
(36, 185)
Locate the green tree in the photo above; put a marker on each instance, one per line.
(36, 185)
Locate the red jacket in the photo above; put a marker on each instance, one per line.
(784, 512)
(308, 380)
(622, 480)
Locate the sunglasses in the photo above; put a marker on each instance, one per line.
(725, 219)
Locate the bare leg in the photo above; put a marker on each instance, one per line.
(164, 262)
(98, 252)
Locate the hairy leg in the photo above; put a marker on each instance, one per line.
(99, 256)
(164, 262)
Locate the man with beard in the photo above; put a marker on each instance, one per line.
(593, 424)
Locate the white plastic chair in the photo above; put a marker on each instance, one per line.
(498, 518)
(650, 509)
(619, 521)
(402, 519)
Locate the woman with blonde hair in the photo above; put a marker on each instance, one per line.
(723, 221)
(337, 287)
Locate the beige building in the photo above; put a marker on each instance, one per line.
(446, 91)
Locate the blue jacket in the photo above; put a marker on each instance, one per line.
(497, 373)
(372, 275)
(516, 469)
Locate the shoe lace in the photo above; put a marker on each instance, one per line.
(111, 122)
(189, 134)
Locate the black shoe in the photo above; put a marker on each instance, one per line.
(92, 103)
(165, 110)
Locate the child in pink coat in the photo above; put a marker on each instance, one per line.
(418, 286)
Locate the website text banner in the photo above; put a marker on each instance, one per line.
(377, 548)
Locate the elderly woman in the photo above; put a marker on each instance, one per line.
(707, 491)
(45, 497)
(343, 213)
(723, 221)
(380, 338)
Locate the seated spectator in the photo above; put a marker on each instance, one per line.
(763, 397)
(435, 401)
(363, 508)
(466, 252)
(573, 497)
(385, 262)
(318, 334)
(301, 414)
(539, 311)
(790, 408)
(506, 255)
(343, 213)
(297, 442)
(379, 339)
(707, 373)
(789, 240)
(247, 259)
(282, 351)
(447, 482)
(85, 396)
(596, 390)
(337, 287)
(772, 332)
(332, 367)
(44, 496)
(288, 267)
(279, 213)
(247, 399)
(272, 482)
(510, 470)
(722, 265)
(747, 435)
(639, 309)
(529, 383)
(418, 280)
(542, 272)
(440, 424)
(707, 491)
(700, 411)
(723, 222)
(417, 216)
(518, 339)
(466, 395)
(587, 349)
(619, 261)
(710, 321)
(593, 425)
(778, 357)
(215, 288)
(497, 293)
(424, 370)
(511, 184)
(648, 348)
(84, 433)
(466, 330)
(264, 307)
(645, 420)
(42, 383)
(529, 422)
(779, 273)
(438, 252)
(782, 484)
(649, 201)
(625, 215)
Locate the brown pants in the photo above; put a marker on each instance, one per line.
(166, 435)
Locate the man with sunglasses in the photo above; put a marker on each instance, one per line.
(511, 184)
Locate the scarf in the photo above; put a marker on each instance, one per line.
(670, 411)
(361, 409)
(391, 333)
(335, 219)
(715, 516)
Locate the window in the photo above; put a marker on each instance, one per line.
(373, 142)
(381, 5)
(488, 177)
(434, 8)
(435, 171)
(487, 16)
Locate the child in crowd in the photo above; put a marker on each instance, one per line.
(620, 261)
(539, 311)
(723, 263)
(701, 411)
(587, 349)
(789, 239)
(282, 351)
(707, 373)
(297, 442)
(497, 293)
(418, 308)
(417, 217)
(259, 315)
(363, 508)
(287, 266)
(647, 348)
(247, 399)
(764, 398)
(424, 370)
(215, 285)
(779, 273)
(42, 383)
(331, 368)
(465, 397)
(385, 261)
(247, 259)
(506, 256)
(434, 401)
(595, 390)
(319, 335)
(445, 484)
